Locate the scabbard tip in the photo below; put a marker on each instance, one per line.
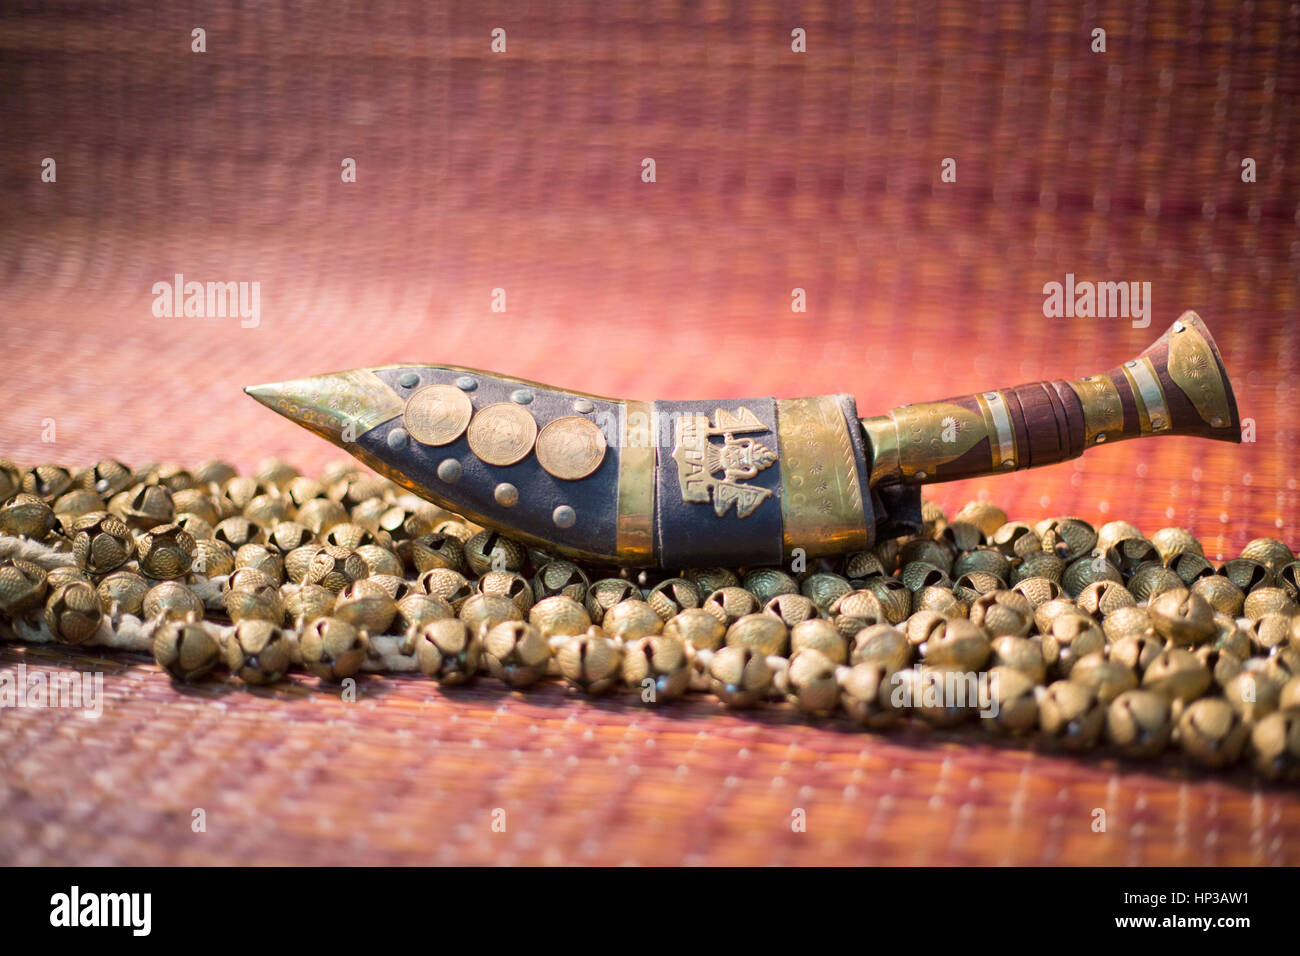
(267, 394)
(335, 405)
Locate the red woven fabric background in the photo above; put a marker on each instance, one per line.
(522, 171)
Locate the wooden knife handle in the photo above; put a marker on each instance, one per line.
(1178, 386)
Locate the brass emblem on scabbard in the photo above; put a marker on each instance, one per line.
(699, 460)
(570, 448)
(437, 415)
(502, 434)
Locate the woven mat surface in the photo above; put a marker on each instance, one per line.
(522, 171)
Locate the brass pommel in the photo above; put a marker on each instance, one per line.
(1178, 386)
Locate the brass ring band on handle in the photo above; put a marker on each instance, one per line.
(1103, 411)
(1153, 414)
(882, 442)
(1002, 435)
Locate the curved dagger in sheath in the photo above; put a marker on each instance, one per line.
(730, 482)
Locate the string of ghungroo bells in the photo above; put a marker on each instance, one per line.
(1079, 635)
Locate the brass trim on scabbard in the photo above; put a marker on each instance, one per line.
(1103, 410)
(1193, 369)
(330, 405)
(636, 484)
(823, 508)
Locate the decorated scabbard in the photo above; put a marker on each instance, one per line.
(731, 482)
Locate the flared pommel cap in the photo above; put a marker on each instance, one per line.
(1190, 381)
(1178, 386)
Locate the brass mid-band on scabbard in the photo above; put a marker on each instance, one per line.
(823, 506)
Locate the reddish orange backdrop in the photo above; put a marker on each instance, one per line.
(775, 170)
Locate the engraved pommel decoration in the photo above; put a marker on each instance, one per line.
(734, 482)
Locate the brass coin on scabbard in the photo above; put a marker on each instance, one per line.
(502, 434)
(571, 448)
(437, 415)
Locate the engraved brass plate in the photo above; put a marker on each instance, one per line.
(708, 472)
(338, 407)
(1194, 370)
(822, 508)
(502, 434)
(636, 484)
(437, 415)
(931, 434)
(571, 448)
(1103, 411)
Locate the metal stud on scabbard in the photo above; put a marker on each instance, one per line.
(751, 481)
